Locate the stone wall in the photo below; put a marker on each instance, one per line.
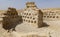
(51, 14)
(32, 15)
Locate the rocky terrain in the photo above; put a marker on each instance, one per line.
(24, 29)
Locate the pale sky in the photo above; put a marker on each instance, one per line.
(20, 4)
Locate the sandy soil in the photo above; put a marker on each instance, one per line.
(53, 29)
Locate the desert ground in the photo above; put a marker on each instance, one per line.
(21, 29)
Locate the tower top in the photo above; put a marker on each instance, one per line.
(30, 4)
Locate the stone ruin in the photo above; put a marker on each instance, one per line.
(32, 15)
(11, 19)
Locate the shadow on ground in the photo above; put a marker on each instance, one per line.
(44, 25)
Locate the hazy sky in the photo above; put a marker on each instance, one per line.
(19, 4)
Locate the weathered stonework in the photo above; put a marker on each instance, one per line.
(51, 14)
(32, 15)
(11, 19)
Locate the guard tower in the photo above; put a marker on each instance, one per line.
(32, 15)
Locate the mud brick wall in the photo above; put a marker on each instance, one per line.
(12, 19)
